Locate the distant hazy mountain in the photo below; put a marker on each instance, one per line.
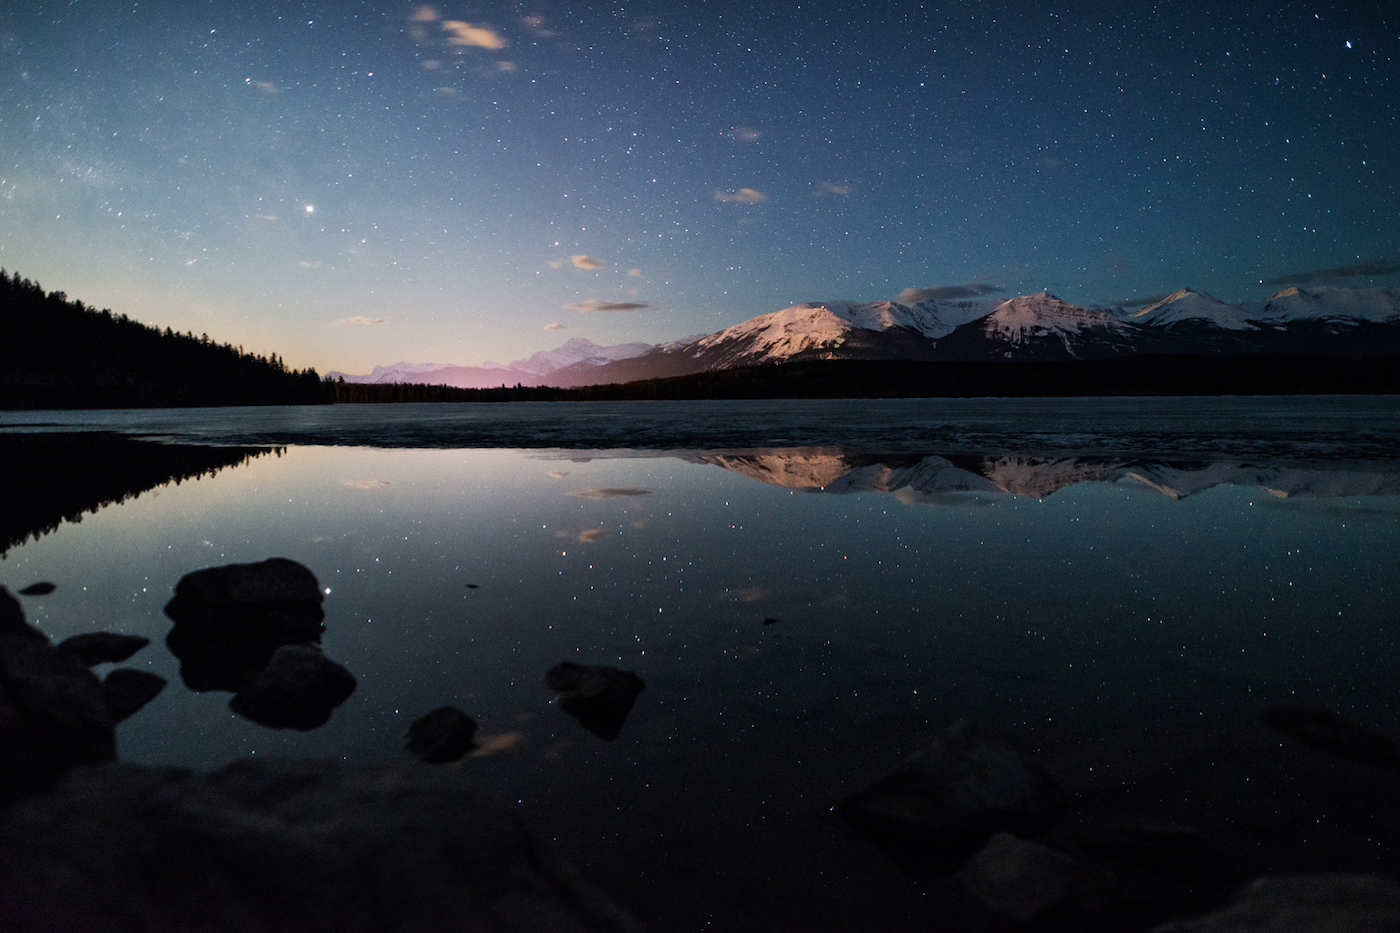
(1040, 327)
(577, 352)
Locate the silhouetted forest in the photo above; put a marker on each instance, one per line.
(57, 353)
(1255, 374)
(57, 477)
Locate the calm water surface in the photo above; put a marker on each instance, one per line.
(1117, 586)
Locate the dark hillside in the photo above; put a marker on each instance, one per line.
(57, 353)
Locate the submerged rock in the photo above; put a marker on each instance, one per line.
(230, 620)
(297, 689)
(283, 845)
(441, 736)
(103, 647)
(1329, 732)
(937, 809)
(53, 716)
(276, 594)
(126, 690)
(598, 697)
(1304, 904)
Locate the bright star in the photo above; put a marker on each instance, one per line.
(310, 208)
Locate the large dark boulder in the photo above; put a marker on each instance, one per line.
(283, 845)
(932, 813)
(230, 620)
(598, 697)
(441, 736)
(53, 715)
(297, 689)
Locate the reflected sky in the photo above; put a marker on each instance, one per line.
(1125, 637)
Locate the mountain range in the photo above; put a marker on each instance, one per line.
(1329, 321)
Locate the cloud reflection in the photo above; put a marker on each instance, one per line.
(609, 492)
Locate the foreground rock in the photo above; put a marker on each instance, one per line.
(441, 736)
(297, 689)
(1178, 853)
(932, 813)
(53, 715)
(230, 620)
(598, 697)
(94, 648)
(125, 690)
(1305, 904)
(282, 845)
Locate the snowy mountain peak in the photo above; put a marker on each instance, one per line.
(1376, 305)
(1044, 315)
(1187, 304)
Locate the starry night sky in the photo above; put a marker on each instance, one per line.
(353, 184)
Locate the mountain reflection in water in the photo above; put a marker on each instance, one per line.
(914, 478)
(1122, 605)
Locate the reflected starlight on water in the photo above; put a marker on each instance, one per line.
(803, 618)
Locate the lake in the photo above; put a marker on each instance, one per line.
(810, 590)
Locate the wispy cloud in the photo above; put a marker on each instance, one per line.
(367, 483)
(609, 492)
(746, 134)
(586, 262)
(589, 535)
(635, 273)
(360, 319)
(424, 14)
(264, 216)
(841, 190)
(593, 305)
(742, 196)
(267, 87)
(970, 290)
(556, 326)
(1336, 273)
(310, 265)
(460, 33)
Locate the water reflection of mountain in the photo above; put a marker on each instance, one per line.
(819, 469)
(52, 478)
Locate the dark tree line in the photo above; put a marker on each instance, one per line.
(57, 353)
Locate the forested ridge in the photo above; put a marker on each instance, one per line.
(60, 353)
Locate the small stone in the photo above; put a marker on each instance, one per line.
(125, 690)
(38, 589)
(441, 736)
(103, 647)
(598, 697)
(932, 813)
(297, 690)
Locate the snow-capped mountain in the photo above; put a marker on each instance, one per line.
(1042, 326)
(1192, 308)
(1376, 305)
(1313, 321)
